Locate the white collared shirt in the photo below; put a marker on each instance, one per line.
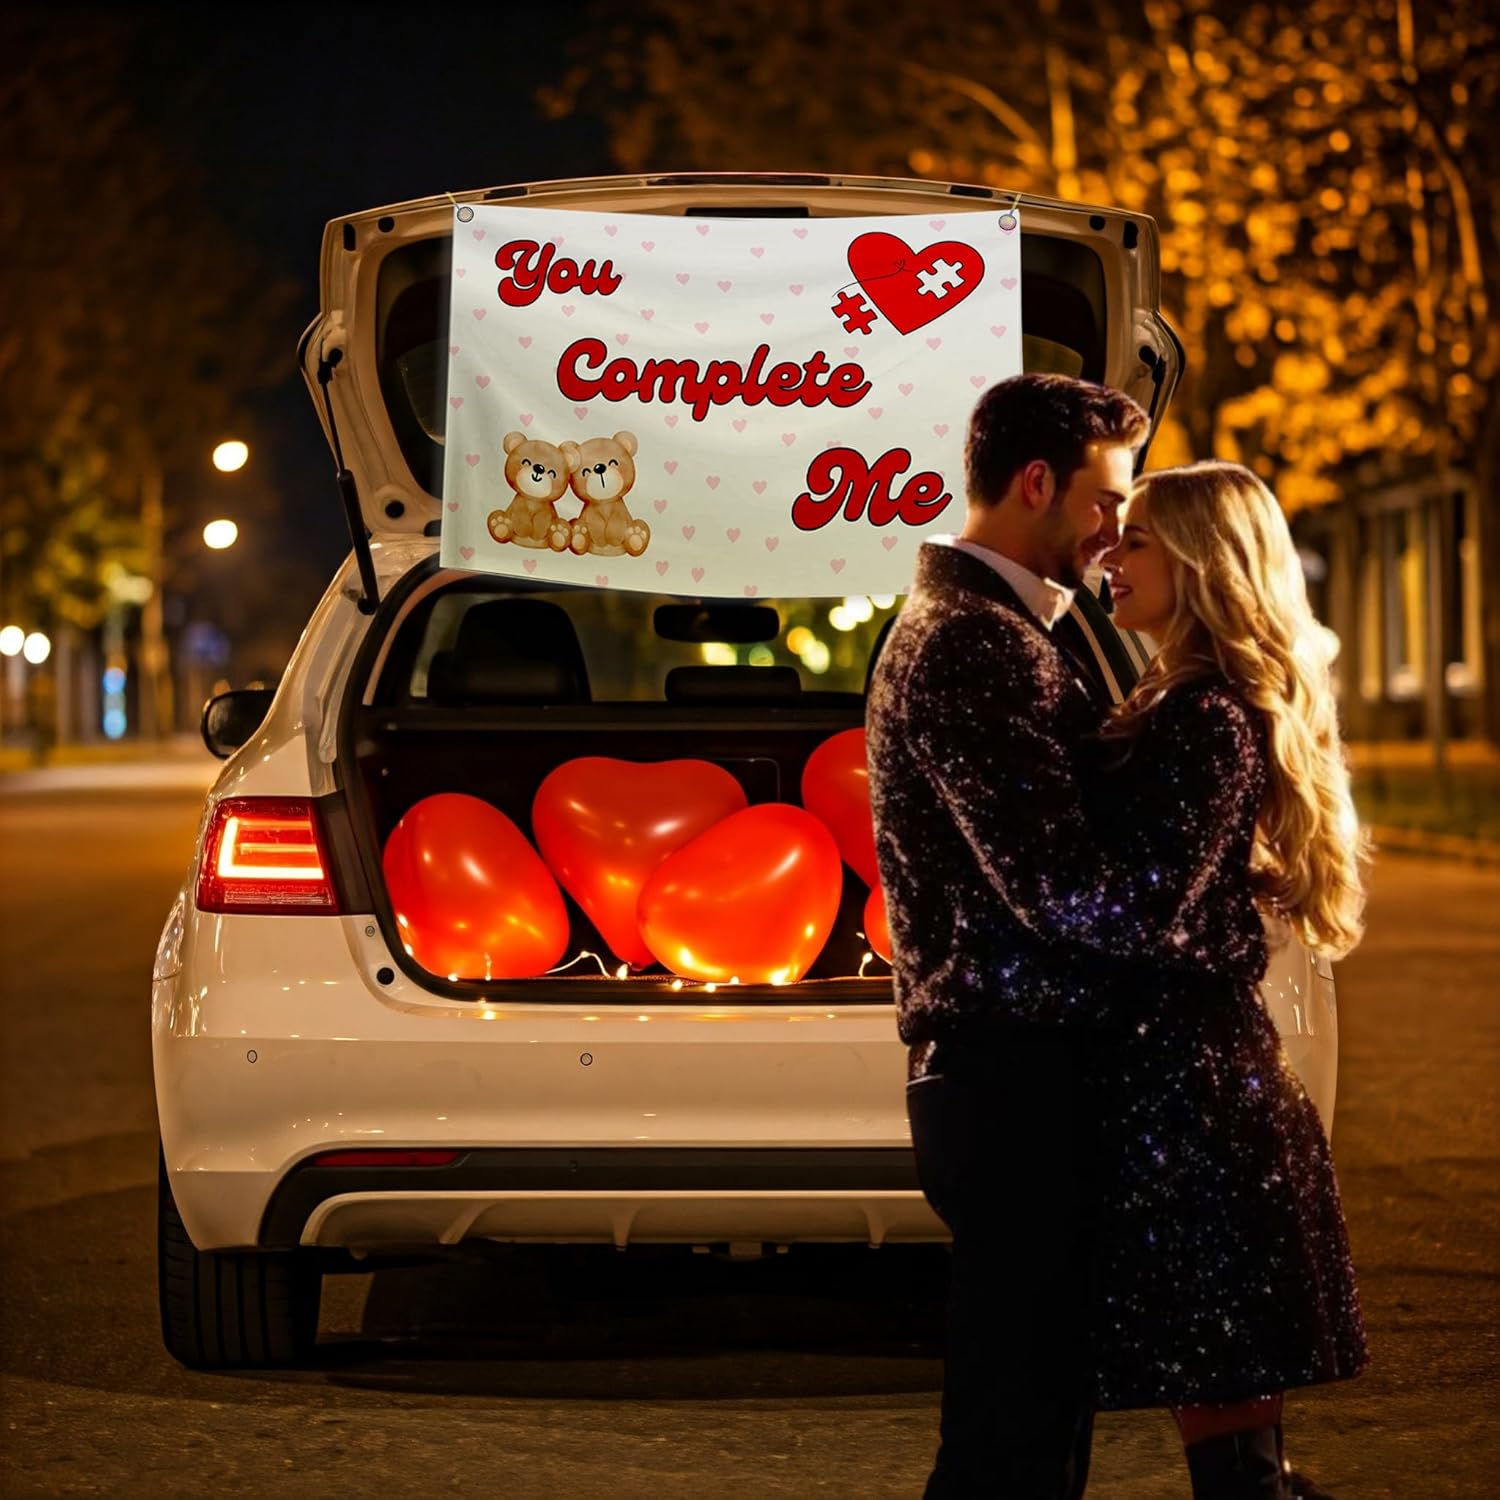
(1046, 600)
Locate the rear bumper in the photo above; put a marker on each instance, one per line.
(616, 1196)
(691, 1123)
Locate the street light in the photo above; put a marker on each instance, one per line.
(220, 534)
(11, 639)
(36, 648)
(231, 455)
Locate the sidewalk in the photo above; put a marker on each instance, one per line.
(182, 761)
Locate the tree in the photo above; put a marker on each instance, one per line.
(133, 324)
(1319, 172)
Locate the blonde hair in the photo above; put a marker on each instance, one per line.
(1242, 609)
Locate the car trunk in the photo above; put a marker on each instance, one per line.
(376, 364)
(431, 712)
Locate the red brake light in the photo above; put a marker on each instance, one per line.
(265, 855)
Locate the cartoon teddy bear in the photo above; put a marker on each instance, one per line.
(603, 472)
(538, 473)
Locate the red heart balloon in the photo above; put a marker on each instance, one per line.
(604, 825)
(472, 899)
(754, 898)
(877, 929)
(836, 789)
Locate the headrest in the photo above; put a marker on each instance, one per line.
(733, 685)
(511, 651)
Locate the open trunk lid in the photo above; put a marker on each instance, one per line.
(375, 358)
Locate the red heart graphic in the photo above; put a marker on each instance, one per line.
(912, 287)
(604, 826)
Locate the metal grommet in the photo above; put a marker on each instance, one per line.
(1008, 221)
(586, 1058)
(369, 929)
(465, 214)
(250, 1056)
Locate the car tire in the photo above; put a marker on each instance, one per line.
(231, 1310)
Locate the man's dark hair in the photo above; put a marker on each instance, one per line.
(1051, 417)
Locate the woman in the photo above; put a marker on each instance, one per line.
(1224, 1271)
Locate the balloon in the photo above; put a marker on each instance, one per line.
(472, 898)
(836, 788)
(877, 929)
(604, 825)
(754, 898)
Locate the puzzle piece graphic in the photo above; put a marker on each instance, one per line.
(940, 279)
(852, 311)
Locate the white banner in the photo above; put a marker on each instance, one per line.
(718, 407)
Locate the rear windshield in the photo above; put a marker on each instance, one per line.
(490, 643)
(1063, 312)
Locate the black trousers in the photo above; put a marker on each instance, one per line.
(1005, 1150)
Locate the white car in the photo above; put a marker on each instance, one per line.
(324, 1100)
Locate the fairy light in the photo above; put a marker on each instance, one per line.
(578, 958)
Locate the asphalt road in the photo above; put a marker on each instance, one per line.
(593, 1375)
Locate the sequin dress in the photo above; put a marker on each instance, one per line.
(1224, 1268)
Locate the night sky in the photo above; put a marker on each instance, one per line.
(295, 122)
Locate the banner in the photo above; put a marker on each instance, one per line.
(718, 407)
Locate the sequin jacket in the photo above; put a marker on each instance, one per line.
(1005, 904)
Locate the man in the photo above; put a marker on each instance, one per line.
(972, 710)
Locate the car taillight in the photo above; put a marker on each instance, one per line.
(264, 855)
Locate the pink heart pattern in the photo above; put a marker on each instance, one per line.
(471, 459)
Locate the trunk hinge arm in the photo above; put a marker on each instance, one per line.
(369, 594)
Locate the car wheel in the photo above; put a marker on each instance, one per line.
(227, 1310)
